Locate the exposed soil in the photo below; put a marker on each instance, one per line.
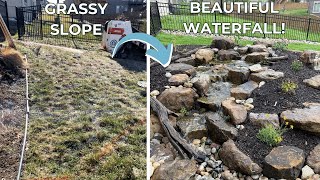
(249, 144)
(271, 99)
(12, 113)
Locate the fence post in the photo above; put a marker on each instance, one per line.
(41, 25)
(18, 23)
(265, 21)
(160, 24)
(7, 14)
(308, 28)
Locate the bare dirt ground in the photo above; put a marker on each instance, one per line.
(12, 114)
(86, 116)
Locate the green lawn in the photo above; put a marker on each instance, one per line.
(201, 40)
(175, 22)
(295, 12)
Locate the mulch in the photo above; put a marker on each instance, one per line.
(264, 101)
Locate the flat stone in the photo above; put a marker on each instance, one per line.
(204, 56)
(179, 169)
(256, 68)
(242, 50)
(192, 127)
(237, 112)
(181, 68)
(217, 93)
(220, 42)
(257, 48)
(219, 129)
(284, 162)
(267, 43)
(307, 118)
(313, 159)
(238, 75)
(256, 57)
(313, 82)
(178, 79)
(264, 119)
(266, 75)
(177, 98)
(236, 160)
(244, 91)
(228, 55)
(187, 60)
(201, 83)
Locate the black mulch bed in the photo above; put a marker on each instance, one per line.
(264, 100)
(270, 94)
(248, 143)
(157, 73)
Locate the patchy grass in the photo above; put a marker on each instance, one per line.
(77, 106)
(202, 40)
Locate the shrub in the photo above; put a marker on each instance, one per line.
(280, 46)
(289, 86)
(296, 65)
(270, 135)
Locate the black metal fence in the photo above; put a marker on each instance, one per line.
(172, 17)
(4, 14)
(34, 24)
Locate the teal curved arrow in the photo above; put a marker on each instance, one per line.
(160, 53)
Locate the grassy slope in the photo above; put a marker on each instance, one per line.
(77, 106)
(201, 40)
(175, 22)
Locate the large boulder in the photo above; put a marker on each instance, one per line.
(244, 91)
(177, 98)
(228, 55)
(313, 82)
(307, 118)
(238, 74)
(201, 83)
(181, 68)
(237, 112)
(256, 57)
(178, 79)
(312, 58)
(219, 129)
(264, 119)
(257, 48)
(222, 43)
(175, 170)
(204, 56)
(192, 127)
(266, 75)
(284, 162)
(236, 160)
(313, 159)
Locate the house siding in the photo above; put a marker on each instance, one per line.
(311, 4)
